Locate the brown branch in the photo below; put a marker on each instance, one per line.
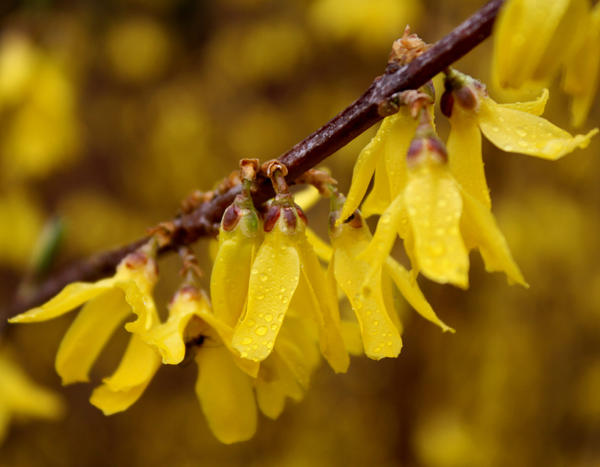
(343, 128)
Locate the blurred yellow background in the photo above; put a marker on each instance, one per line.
(112, 112)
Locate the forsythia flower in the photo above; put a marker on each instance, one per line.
(530, 46)
(582, 69)
(529, 39)
(108, 302)
(515, 127)
(20, 397)
(224, 388)
(286, 274)
(370, 294)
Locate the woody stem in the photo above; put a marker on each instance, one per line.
(343, 128)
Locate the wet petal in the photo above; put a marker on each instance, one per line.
(327, 312)
(379, 197)
(400, 129)
(535, 107)
(390, 224)
(479, 228)
(137, 368)
(273, 280)
(379, 334)
(88, 334)
(226, 396)
(522, 34)
(230, 275)
(409, 288)
(364, 167)
(169, 337)
(434, 207)
(464, 155)
(72, 296)
(521, 132)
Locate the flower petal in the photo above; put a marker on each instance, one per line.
(72, 296)
(327, 312)
(400, 130)
(379, 196)
(137, 368)
(535, 107)
(479, 229)
(273, 280)
(409, 288)
(364, 167)
(86, 337)
(230, 275)
(522, 34)
(225, 394)
(515, 131)
(434, 207)
(379, 334)
(464, 155)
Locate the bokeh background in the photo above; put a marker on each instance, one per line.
(111, 112)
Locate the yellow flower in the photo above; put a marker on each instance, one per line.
(370, 292)
(581, 71)
(384, 157)
(240, 236)
(286, 274)
(515, 127)
(530, 40)
(439, 221)
(21, 398)
(226, 383)
(108, 302)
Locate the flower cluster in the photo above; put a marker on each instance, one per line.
(535, 39)
(273, 309)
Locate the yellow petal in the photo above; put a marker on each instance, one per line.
(535, 107)
(434, 207)
(327, 312)
(522, 34)
(137, 368)
(307, 197)
(583, 69)
(379, 197)
(524, 133)
(67, 300)
(480, 229)
(364, 167)
(275, 383)
(400, 129)
(379, 334)
(88, 334)
(273, 280)
(226, 397)
(230, 275)
(390, 224)
(352, 337)
(139, 296)
(225, 332)
(409, 288)
(169, 337)
(322, 249)
(22, 397)
(464, 155)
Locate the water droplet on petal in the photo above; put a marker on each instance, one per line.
(247, 341)
(268, 317)
(261, 330)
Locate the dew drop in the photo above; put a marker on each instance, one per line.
(521, 133)
(247, 341)
(508, 147)
(495, 129)
(263, 278)
(268, 317)
(273, 327)
(261, 330)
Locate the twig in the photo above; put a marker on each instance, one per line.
(343, 128)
